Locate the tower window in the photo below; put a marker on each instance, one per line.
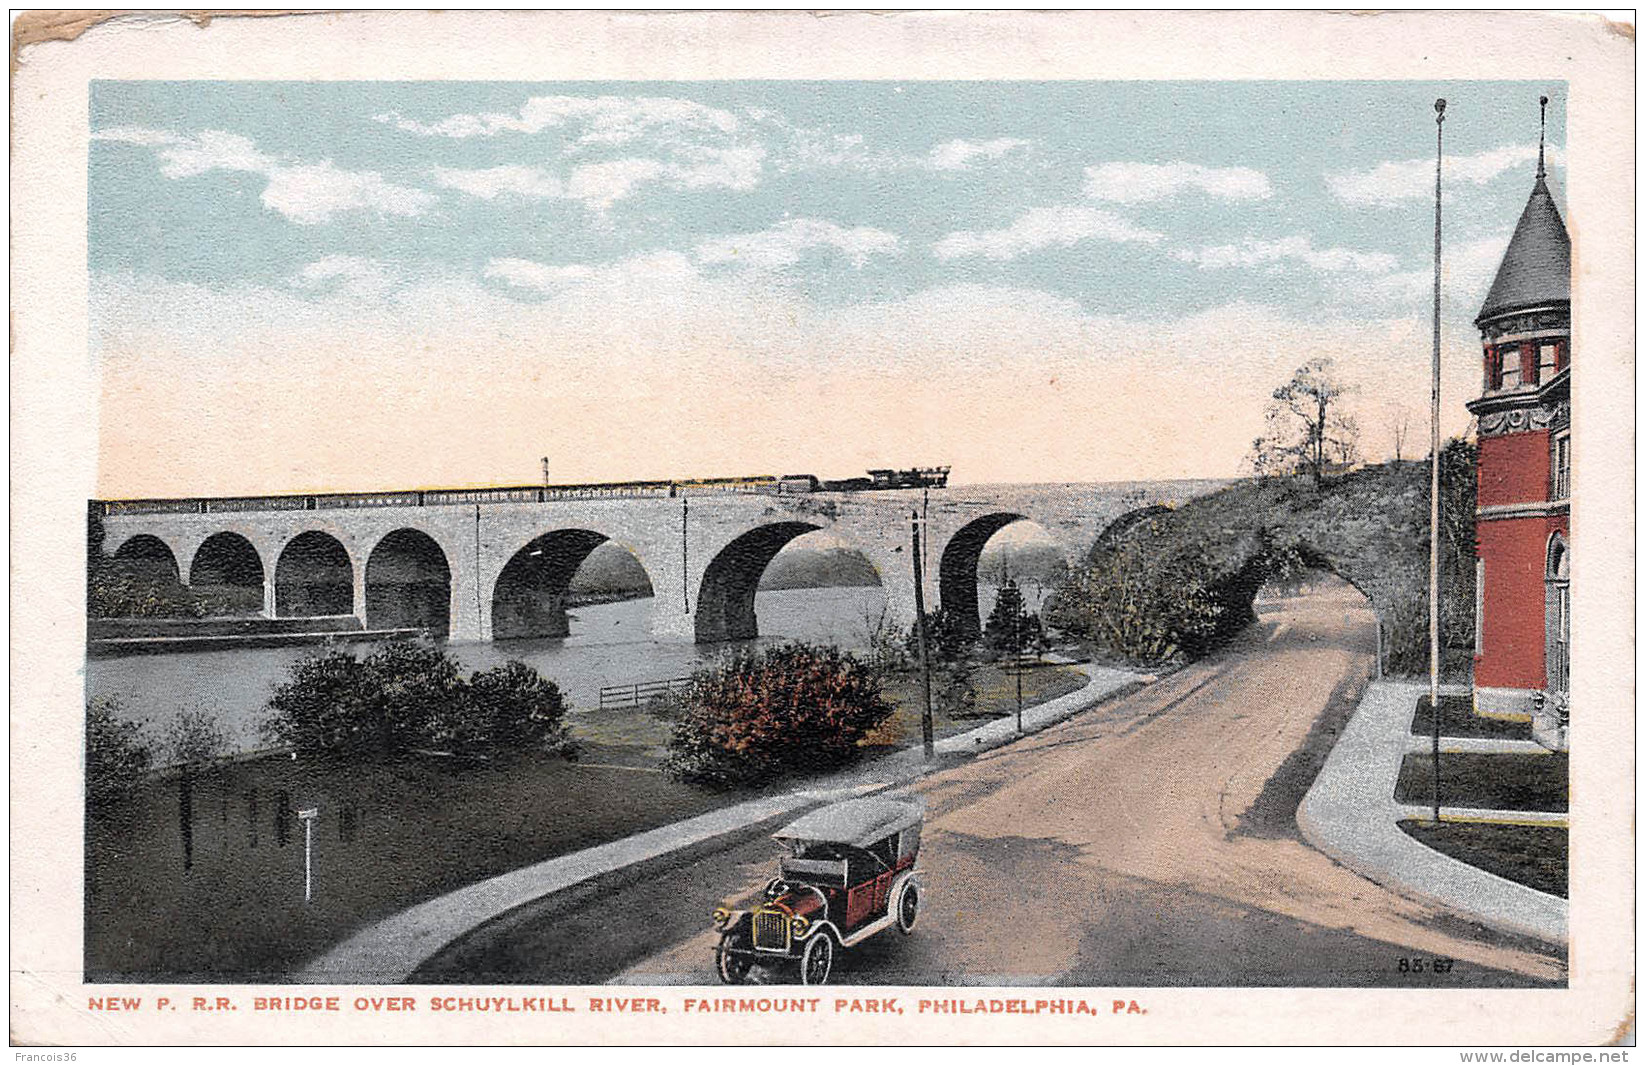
(1547, 361)
(1509, 375)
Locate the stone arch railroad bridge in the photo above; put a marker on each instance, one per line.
(493, 563)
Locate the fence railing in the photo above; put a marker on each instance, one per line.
(616, 697)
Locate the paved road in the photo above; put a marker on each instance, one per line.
(1150, 841)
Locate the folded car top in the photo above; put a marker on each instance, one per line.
(858, 823)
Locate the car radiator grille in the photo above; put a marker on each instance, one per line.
(771, 930)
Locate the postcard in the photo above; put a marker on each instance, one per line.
(1065, 528)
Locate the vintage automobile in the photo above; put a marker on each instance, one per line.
(848, 873)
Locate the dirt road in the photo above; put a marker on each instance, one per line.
(1150, 841)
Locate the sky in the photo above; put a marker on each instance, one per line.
(362, 285)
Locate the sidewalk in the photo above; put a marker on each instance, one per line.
(1350, 814)
(391, 950)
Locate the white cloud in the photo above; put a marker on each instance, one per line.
(958, 153)
(1042, 227)
(642, 273)
(1136, 183)
(314, 193)
(1409, 179)
(190, 155)
(1466, 271)
(783, 244)
(350, 275)
(599, 185)
(607, 120)
(306, 193)
(1300, 248)
(533, 183)
(732, 168)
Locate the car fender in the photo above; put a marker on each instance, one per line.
(740, 921)
(916, 876)
(819, 926)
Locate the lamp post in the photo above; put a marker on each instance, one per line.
(308, 815)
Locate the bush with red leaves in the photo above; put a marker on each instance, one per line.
(761, 716)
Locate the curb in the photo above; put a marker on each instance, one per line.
(1349, 813)
(1419, 745)
(390, 950)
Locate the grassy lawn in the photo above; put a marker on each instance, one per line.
(389, 835)
(996, 697)
(1532, 855)
(1500, 782)
(1457, 719)
(638, 736)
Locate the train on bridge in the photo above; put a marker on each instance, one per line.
(778, 485)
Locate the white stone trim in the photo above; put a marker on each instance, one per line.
(1512, 704)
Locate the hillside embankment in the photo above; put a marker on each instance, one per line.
(1179, 583)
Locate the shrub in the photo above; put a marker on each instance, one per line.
(194, 737)
(947, 638)
(886, 640)
(1149, 603)
(409, 696)
(116, 756)
(760, 716)
(518, 709)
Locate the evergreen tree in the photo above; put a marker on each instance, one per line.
(1010, 627)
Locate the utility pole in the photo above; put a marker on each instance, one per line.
(1433, 491)
(926, 728)
(925, 518)
(1016, 636)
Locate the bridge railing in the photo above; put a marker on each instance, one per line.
(617, 697)
(619, 490)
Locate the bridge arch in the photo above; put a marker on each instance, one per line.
(314, 577)
(408, 583)
(725, 596)
(229, 563)
(957, 570)
(529, 596)
(148, 556)
(1122, 526)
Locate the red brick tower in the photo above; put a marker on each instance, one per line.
(1522, 646)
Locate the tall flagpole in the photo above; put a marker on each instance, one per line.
(1433, 489)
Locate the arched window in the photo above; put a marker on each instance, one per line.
(1557, 586)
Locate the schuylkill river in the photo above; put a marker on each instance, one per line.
(610, 644)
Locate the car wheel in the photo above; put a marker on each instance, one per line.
(817, 961)
(908, 907)
(733, 968)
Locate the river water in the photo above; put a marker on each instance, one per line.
(610, 644)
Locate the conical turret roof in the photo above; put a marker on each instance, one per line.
(1536, 268)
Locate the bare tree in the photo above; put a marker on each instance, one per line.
(1400, 419)
(1305, 428)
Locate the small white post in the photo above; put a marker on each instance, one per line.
(308, 815)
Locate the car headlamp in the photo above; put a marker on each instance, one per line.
(800, 925)
(721, 916)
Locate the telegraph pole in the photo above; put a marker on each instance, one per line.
(1433, 490)
(926, 728)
